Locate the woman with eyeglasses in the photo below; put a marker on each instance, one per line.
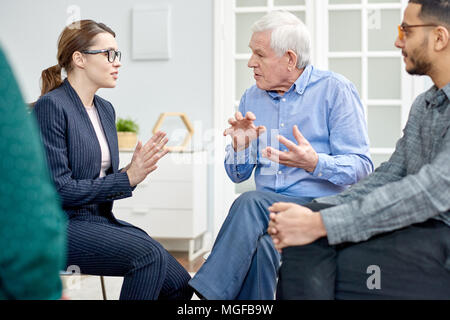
(79, 134)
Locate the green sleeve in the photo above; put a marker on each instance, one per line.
(32, 224)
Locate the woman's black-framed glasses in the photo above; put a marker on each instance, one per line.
(112, 54)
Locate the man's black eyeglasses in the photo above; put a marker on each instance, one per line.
(112, 54)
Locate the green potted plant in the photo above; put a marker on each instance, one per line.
(127, 131)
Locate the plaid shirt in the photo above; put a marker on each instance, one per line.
(413, 186)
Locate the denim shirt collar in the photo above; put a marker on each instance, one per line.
(302, 82)
(446, 90)
(299, 85)
(435, 97)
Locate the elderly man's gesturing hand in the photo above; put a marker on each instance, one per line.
(293, 225)
(300, 156)
(242, 130)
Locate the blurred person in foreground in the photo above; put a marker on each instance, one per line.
(32, 225)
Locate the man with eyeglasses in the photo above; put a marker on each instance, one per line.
(388, 236)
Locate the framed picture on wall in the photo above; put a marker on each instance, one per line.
(151, 33)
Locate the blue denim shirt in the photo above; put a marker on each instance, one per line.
(328, 111)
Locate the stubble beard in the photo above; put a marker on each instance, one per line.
(420, 61)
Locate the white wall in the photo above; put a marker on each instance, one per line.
(29, 30)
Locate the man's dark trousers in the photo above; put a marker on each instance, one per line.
(409, 263)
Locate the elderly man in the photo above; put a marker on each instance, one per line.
(388, 236)
(318, 118)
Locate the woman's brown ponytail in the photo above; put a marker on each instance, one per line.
(77, 36)
(51, 79)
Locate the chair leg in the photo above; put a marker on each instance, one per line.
(103, 287)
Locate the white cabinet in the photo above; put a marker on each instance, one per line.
(171, 202)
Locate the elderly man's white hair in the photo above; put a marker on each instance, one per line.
(288, 33)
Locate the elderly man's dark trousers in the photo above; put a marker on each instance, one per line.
(409, 263)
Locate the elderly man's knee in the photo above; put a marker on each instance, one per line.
(251, 203)
(253, 197)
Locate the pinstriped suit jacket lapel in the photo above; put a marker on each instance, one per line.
(109, 130)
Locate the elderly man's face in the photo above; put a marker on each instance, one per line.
(270, 71)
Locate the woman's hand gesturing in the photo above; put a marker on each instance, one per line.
(146, 157)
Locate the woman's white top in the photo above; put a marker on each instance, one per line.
(106, 156)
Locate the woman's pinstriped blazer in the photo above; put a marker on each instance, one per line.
(74, 155)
